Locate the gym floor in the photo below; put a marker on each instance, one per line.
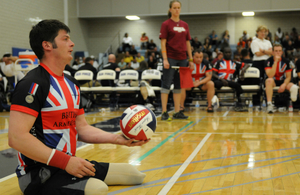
(225, 152)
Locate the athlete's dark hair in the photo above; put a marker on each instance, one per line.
(244, 53)
(45, 30)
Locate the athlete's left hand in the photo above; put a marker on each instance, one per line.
(121, 140)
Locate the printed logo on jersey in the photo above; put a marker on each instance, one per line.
(223, 65)
(179, 29)
(29, 98)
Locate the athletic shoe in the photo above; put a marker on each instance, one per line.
(165, 117)
(270, 108)
(150, 106)
(294, 92)
(180, 115)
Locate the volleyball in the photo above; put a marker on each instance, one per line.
(138, 122)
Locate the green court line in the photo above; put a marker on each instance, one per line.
(137, 161)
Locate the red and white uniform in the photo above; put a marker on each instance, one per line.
(200, 69)
(227, 68)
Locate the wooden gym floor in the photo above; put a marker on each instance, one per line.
(225, 152)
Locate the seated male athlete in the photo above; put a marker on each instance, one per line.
(47, 119)
(224, 73)
(202, 79)
(279, 71)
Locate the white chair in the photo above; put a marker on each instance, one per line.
(105, 75)
(84, 75)
(132, 75)
(251, 73)
(152, 74)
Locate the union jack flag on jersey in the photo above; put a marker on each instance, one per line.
(283, 66)
(227, 68)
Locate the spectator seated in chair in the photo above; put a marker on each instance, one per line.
(224, 73)
(276, 68)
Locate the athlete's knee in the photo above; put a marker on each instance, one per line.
(269, 81)
(123, 174)
(95, 187)
(210, 84)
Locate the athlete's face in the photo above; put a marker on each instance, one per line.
(64, 48)
(198, 57)
(227, 54)
(175, 9)
(277, 51)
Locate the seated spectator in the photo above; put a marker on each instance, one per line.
(279, 34)
(245, 36)
(127, 42)
(128, 66)
(122, 64)
(135, 64)
(215, 53)
(76, 61)
(95, 64)
(139, 57)
(278, 76)
(133, 51)
(152, 64)
(150, 47)
(226, 36)
(207, 47)
(196, 44)
(202, 79)
(289, 50)
(81, 62)
(241, 43)
(144, 41)
(277, 40)
(224, 73)
(205, 56)
(237, 54)
(285, 42)
(155, 54)
(297, 43)
(112, 63)
(213, 38)
(7, 68)
(294, 34)
(219, 57)
(268, 35)
(88, 66)
(224, 44)
(128, 58)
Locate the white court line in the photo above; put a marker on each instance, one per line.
(175, 177)
(8, 177)
(225, 114)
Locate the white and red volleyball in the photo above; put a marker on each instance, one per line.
(138, 122)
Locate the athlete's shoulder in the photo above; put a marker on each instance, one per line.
(38, 75)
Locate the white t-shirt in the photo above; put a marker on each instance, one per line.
(135, 65)
(127, 40)
(260, 44)
(8, 70)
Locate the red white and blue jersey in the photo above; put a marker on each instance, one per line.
(200, 70)
(283, 66)
(226, 68)
(55, 102)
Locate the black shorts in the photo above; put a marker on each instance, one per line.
(278, 82)
(47, 180)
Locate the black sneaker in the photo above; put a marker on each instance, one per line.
(165, 117)
(180, 115)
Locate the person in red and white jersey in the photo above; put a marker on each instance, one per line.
(201, 74)
(279, 73)
(47, 119)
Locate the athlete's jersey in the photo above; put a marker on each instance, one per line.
(226, 68)
(55, 102)
(200, 70)
(283, 66)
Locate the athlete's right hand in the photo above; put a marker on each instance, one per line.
(277, 58)
(225, 83)
(80, 167)
(166, 64)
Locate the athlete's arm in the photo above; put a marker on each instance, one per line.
(90, 134)
(20, 139)
(288, 77)
(163, 43)
(207, 78)
(271, 71)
